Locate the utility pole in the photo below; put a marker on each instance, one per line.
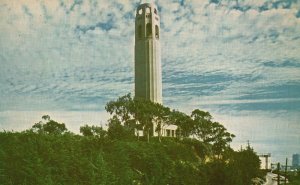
(286, 161)
(278, 175)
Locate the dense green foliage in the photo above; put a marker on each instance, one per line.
(49, 154)
(32, 158)
(294, 178)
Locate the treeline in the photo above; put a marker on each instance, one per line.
(48, 153)
(138, 114)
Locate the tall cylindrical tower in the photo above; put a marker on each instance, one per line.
(148, 81)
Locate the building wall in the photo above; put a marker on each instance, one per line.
(296, 161)
(166, 130)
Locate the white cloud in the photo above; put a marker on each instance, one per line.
(216, 38)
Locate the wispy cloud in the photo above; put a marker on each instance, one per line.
(224, 48)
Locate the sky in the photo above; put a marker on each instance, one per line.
(237, 59)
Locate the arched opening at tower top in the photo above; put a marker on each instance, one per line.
(148, 10)
(140, 11)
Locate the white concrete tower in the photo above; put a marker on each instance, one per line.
(148, 81)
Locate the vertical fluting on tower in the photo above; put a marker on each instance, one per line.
(148, 77)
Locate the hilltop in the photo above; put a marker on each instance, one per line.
(48, 153)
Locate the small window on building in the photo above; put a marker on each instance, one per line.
(156, 32)
(139, 31)
(148, 10)
(149, 29)
(155, 11)
(140, 12)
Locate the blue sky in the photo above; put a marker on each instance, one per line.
(239, 60)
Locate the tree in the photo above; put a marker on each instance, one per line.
(220, 138)
(244, 165)
(210, 132)
(202, 126)
(122, 110)
(143, 114)
(86, 130)
(138, 114)
(94, 131)
(161, 117)
(183, 121)
(49, 127)
(118, 131)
